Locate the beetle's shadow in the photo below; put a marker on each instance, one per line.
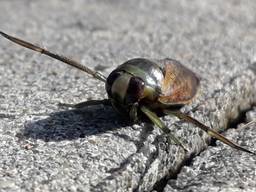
(74, 124)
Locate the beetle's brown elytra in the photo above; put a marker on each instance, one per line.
(180, 85)
(144, 87)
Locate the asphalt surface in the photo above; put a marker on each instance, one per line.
(44, 147)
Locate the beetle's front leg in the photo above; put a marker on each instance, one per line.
(155, 119)
(86, 103)
(134, 113)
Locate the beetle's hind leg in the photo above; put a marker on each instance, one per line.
(207, 129)
(157, 121)
(86, 103)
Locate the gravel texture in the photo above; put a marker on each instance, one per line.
(47, 148)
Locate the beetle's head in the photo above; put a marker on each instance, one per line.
(125, 91)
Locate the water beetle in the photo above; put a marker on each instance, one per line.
(144, 87)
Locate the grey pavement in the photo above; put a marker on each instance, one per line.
(44, 147)
(220, 169)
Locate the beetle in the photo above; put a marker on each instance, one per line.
(144, 87)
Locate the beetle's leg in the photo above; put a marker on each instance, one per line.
(249, 124)
(86, 103)
(207, 129)
(155, 119)
(134, 112)
(64, 59)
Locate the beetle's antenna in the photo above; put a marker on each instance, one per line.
(64, 59)
(207, 129)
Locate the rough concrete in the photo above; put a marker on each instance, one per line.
(47, 148)
(220, 169)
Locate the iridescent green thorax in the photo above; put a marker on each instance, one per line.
(135, 81)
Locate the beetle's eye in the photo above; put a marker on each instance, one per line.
(135, 90)
(110, 80)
